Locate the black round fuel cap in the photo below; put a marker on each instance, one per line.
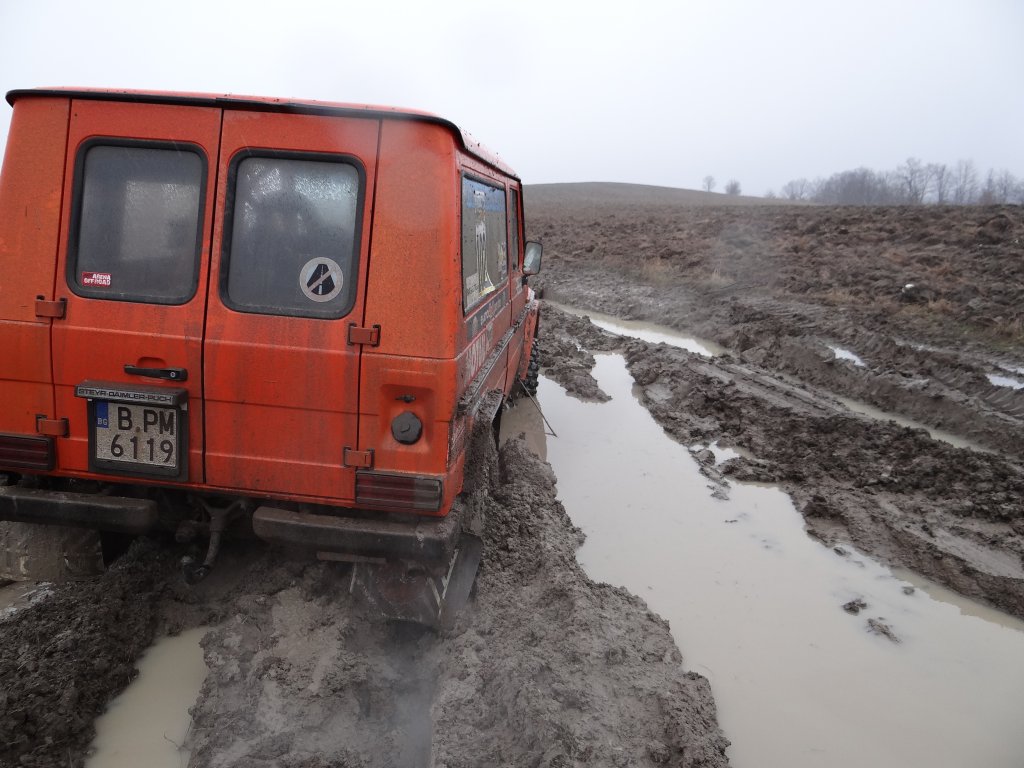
(407, 428)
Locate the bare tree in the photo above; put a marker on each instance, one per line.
(709, 183)
(990, 192)
(914, 180)
(965, 183)
(861, 186)
(912, 183)
(1006, 186)
(941, 181)
(732, 187)
(797, 189)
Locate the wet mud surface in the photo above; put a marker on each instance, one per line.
(547, 667)
(779, 289)
(544, 668)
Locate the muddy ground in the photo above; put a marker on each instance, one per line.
(545, 667)
(777, 287)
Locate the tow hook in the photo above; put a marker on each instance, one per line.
(220, 517)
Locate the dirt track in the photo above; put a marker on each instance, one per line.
(777, 287)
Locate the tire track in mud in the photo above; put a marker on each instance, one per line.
(545, 667)
(951, 514)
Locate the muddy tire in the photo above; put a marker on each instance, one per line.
(533, 370)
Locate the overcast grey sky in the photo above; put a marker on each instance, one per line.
(647, 92)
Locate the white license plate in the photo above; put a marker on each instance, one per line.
(140, 435)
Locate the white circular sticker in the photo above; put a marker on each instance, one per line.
(321, 279)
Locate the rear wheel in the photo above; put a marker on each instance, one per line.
(429, 594)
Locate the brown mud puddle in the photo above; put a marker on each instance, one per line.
(148, 723)
(816, 656)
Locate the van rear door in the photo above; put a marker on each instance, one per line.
(286, 303)
(127, 357)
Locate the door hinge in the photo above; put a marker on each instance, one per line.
(51, 427)
(359, 459)
(52, 309)
(357, 335)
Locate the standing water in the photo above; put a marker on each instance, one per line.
(757, 607)
(147, 724)
(641, 329)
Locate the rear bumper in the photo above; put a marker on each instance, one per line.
(79, 510)
(426, 538)
(385, 536)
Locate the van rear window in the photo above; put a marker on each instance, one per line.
(293, 246)
(484, 241)
(137, 228)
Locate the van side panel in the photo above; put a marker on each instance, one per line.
(30, 200)
(485, 326)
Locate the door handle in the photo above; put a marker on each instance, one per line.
(174, 374)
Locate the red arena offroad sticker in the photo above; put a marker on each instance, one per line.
(100, 279)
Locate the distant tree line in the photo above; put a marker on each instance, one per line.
(912, 183)
(732, 187)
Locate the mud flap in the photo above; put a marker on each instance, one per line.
(30, 552)
(403, 590)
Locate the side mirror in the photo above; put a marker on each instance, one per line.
(531, 259)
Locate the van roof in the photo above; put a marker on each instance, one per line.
(269, 104)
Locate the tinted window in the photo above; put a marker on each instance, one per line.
(484, 241)
(293, 247)
(138, 219)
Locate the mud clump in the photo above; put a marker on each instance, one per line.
(853, 607)
(880, 627)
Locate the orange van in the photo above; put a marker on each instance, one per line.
(217, 309)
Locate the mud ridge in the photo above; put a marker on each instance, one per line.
(929, 298)
(952, 514)
(64, 656)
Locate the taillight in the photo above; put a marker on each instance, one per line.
(26, 452)
(375, 490)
